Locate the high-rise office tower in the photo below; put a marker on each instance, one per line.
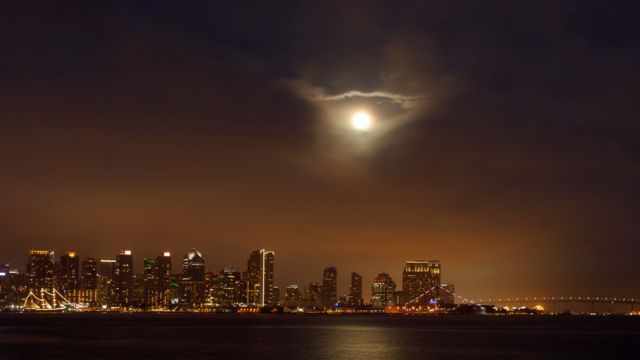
(136, 298)
(259, 278)
(163, 287)
(418, 277)
(123, 278)
(69, 276)
(230, 289)
(106, 268)
(106, 288)
(149, 283)
(252, 277)
(225, 288)
(275, 295)
(88, 285)
(382, 291)
(193, 280)
(292, 296)
(13, 287)
(4, 269)
(329, 287)
(313, 295)
(40, 274)
(214, 288)
(268, 295)
(213, 285)
(355, 291)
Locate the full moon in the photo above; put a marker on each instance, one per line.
(361, 121)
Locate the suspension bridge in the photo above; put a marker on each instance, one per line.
(437, 290)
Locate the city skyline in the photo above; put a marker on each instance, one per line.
(86, 280)
(320, 179)
(146, 264)
(115, 285)
(500, 139)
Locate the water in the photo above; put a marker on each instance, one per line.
(263, 336)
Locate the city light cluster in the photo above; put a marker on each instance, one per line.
(70, 283)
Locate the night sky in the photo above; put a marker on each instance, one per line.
(506, 141)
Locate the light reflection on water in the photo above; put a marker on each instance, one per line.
(260, 337)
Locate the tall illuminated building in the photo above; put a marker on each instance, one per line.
(106, 288)
(69, 275)
(162, 295)
(382, 291)
(214, 288)
(123, 279)
(4, 286)
(88, 284)
(149, 283)
(40, 274)
(418, 277)
(192, 284)
(252, 278)
(259, 278)
(106, 268)
(136, 297)
(106, 271)
(228, 291)
(313, 295)
(329, 287)
(268, 293)
(275, 295)
(355, 290)
(13, 287)
(292, 296)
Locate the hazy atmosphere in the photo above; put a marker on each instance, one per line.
(504, 138)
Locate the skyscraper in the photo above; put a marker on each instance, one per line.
(418, 277)
(40, 274)
(163, 287)
(313, 295)
(88, 286)
(106, 288)
(106, 268)
(229, 290)
(260, 278)
(193, 280)
(292, 296)
(149, 283)
(223, 288)
(382, 291)
(68, 276)
(275, 295)
(355, 290)
(13, 287)
(329, 287)
(136, 297)
(213, 288)
(123, 278)
(252, 278)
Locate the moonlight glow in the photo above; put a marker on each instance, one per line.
(361, 121)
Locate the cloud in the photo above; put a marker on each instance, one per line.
(318, 94)
(405, 101)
